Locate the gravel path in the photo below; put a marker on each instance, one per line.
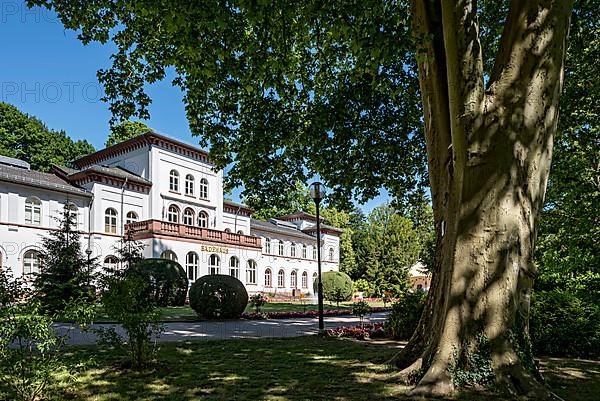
(211, 330)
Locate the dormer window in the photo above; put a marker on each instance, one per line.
(174, 181)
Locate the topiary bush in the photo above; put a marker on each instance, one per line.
(168, 280)
(405, 314)
(218, 297)
(562, 324)
(337, 286)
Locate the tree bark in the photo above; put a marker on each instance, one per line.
(489, 153)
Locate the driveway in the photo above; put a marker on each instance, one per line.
(222, 330)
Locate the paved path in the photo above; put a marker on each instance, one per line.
(183, 331)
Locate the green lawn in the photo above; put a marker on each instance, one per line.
(305, 368)
(179, 313)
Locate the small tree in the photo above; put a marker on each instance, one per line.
(31, 352)
(360, 309)
(65, 272)
(128, 300)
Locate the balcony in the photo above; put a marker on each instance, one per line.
(152, 228)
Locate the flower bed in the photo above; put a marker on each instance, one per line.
(367, 331)
(310, 313)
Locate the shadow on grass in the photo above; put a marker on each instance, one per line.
(304, 368)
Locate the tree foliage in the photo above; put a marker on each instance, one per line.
(27, 138)
(386, 247)
(126, 130)
(65, 273)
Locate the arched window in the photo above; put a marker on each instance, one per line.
(315, 275)
(304, 251)
(32, 261)
(191, 265)
(268, 280)
(173, 214)
(189, 184)
(240, 232)
(202, 219)
(251, 272)
(227, 230)
(174, 181)
(214, 264)
(331, 254)
(73, 212)
(267, 245)
(111, 263)
(234, 267)
(293, 279)
(293, 250)
(131, 217)
(110, 221)
(33, 211)
(203, 188)
(281, 279)
(170, 255)
(280, 248)
(188, 217)
(304, 279)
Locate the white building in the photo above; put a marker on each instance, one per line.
(168, 194)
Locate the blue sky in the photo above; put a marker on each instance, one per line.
(46, 72)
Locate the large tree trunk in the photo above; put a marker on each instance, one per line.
(489, 155)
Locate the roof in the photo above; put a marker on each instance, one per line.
(38, 179)
(148, 138)
(324, 228)
(301, 215)
(419, 269)
(234, 207)
(11, 161)
(274, 228)
(120, 173)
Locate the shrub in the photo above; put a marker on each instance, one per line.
(360, 309)
(337, 286)
(218, 296)
(365, 332)
(364, 286)
(258, 300)
(31, 351)
(168, 281)
(404, 317)
(127, 300)
(563, 325)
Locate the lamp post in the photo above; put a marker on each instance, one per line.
(317, 192)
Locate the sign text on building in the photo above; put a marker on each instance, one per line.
(213, 249)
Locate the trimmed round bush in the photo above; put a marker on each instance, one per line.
(405, 314)
(218, 296)
(168, 281)
(337, 286)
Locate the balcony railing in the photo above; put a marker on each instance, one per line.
(150, 228)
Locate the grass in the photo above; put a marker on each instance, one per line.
(185, 313)
(304, 368)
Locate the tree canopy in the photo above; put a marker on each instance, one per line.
(27, 138)
(126, 130)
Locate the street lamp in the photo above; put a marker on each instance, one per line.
(317, 192)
